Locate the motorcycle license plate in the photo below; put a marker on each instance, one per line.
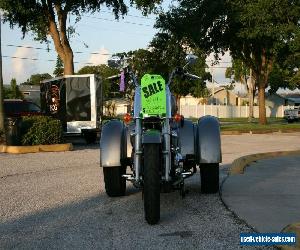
(153, 90)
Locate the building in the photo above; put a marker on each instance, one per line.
(31, 93)
(222, 96)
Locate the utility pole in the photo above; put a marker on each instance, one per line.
(1, 85)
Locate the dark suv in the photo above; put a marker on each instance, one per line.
(18, 108)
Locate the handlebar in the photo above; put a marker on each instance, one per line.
(182, 72)
(123, 65)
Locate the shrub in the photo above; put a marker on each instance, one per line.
(2, 137)
(41, 130)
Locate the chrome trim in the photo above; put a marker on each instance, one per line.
(137, 148)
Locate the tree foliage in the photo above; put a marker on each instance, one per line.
(104, 72)
(36, 79)
(13, 91)
(59, 67)
(49, 18)
(166, 53)
(255, 32)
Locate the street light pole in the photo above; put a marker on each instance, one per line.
(1, 85)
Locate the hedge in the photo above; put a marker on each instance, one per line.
(43, 130)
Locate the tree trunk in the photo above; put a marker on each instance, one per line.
(251, 104)
(251, 92)
(261, 74)
(58, 32)
(262, 105)
(68, 63)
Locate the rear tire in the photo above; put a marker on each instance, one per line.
(115, 184)
(152, 183)
(209, 174)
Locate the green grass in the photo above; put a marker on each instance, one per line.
(243, 125)
(254, 120)
(272, 126)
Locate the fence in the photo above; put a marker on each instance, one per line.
(223, 111)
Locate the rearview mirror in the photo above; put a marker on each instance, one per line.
(115, 62)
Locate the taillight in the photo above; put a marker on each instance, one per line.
(127, 118)
(177, 118)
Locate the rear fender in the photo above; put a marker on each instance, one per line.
(208, 140)
(187, 135)
(112, 144)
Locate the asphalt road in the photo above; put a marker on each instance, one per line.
(57, 201)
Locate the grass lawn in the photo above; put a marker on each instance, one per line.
(242, 125)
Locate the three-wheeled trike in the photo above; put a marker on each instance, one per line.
(155, 148)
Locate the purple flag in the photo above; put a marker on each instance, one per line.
(122, 82)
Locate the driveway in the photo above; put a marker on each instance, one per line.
(57, 200)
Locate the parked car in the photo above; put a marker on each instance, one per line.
(292, 115)
(18, 108)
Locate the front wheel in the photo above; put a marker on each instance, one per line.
(152, 183)
(209, 173)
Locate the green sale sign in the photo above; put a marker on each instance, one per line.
(153, 90)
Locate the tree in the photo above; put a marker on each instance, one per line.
(49, 18)
(59, 67)
(241, 73)
(165, 53)
(104, 72)
(253, 31)
(285, 73)
(36, 79)
(13, 92)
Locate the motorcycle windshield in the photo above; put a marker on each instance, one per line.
(153, 90)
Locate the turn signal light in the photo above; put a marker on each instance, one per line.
(127, 118)
(177, 118)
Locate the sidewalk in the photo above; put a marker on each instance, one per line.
(267, 195)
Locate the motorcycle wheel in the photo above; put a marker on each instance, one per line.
(115, 184)
(152, 183)
(209, 174)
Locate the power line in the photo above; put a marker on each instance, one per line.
(114, 20)
(91, 53)
(39, 48)
(142, 17)
(52, 60)
(115, 30)
(37, 59)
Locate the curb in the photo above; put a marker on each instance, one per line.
(36, 148)
(239, 132)
(238, 165)
(292, 228)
